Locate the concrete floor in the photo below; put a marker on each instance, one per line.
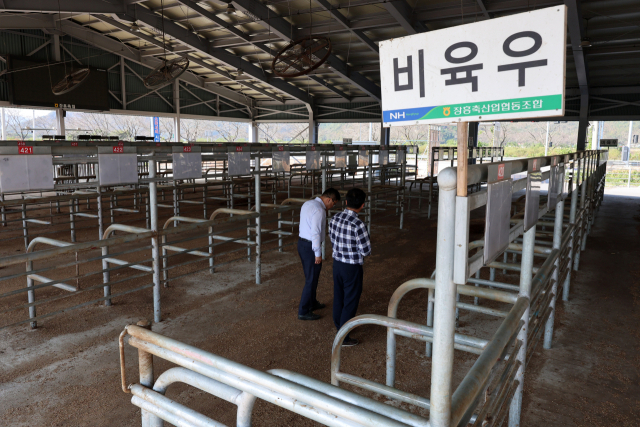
(69, 376)
(591, 376)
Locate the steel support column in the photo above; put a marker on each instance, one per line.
(526, 279)
(445, 305)
(176, 109)
(123, 84)
(576, 32)
(253, 132)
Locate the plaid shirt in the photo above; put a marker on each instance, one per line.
(349, 238)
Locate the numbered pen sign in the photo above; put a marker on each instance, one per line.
(556, 181)
(504, 68)
(347, 140)
(341, 157)
(25, 168)
(187, 162)
(239, 157)
(532, 204)
(363, 156)
(498, 212)
(400, 156)
(280, 158)
(313, 158)
(383, 155)
(117, 165)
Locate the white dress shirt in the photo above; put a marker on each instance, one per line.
(313, 223)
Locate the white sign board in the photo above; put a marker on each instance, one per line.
(25, 168)
(239, 160)
(280, 159)
(608, 143)
(313, 158)
(187, 162)
(363, 156)
(498, 212)
(341, 156)
(383, 157)
(117, 165)
(499, 69)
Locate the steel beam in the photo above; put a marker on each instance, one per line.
(483, 9)
(402, 13)
(576, 33)
(110, 45)
(190, 39)
(246, 38)
(347, 25)
(85, 6)
(285, 30)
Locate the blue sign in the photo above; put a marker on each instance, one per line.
(156, 129)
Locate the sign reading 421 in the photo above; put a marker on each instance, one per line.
(504, 68)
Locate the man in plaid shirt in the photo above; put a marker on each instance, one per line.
(350, 242)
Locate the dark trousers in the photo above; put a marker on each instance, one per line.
(311, 275)
(347, 288)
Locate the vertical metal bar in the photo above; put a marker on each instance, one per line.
(106, 276)
(258, 229)
(4, 215)
(72, 223)
(176, 205)
(145, 367)
(369, 187)
(445, 304)
(31, 296)
(211, 251)
(324, 167)
(25, 231)
(155, 250)
(280, 232)
(526, 277)
(557, 237)
(430, 300)
(100, 219)
(404, 190)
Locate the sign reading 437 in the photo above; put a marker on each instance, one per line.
(504, 68)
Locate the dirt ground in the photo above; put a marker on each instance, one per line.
(66, 372)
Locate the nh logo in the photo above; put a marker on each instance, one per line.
(397, 116)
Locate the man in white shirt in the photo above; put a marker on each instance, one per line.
(313, 223)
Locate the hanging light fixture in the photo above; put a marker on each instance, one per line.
(135, 28)
(230, 9)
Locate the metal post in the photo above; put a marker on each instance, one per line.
(369, 189)
(100, 219)
(4, 215)
(557, 237)
(323, 166)
(31, 295)
(145, 367)
(123, 85)
(25, 231)
(72, 223)
(429, 347)
(155, 247)
(526, 277)
(258, 228)
(445, 304)
(402, 184)
(579, 230)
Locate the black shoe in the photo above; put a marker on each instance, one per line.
(349, 342)
(309, 316)
(318, 306)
